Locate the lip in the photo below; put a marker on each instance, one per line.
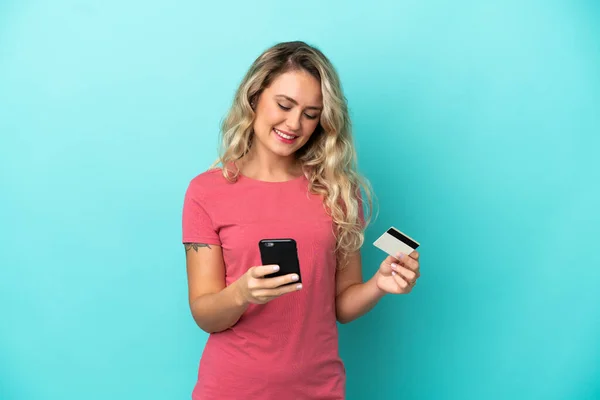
(284, 140)
(287, 133)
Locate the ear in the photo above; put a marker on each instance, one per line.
(253, 101)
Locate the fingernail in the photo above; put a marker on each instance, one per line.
(299, 287)
(275, 267)
(394, 266)
(400, 256)
(294, 277)
(393, 273)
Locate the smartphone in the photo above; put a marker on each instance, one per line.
(282, 252)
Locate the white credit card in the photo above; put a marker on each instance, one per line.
(393, 242)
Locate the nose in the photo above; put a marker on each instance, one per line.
(294, 121)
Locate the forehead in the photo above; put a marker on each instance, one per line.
(299, 85)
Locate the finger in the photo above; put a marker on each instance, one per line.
(271, 283)
(409, 262)
(401, 258)
(262, 270)
(400, 281)
(410, 275)
(386, 264)
(280, 291)
(413, 254)
(272, 293)
(389, 260)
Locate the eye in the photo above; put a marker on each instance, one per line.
(289, 108)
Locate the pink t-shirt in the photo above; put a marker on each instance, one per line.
(287, 348)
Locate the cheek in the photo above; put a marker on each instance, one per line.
(310, 126)
(270, 116)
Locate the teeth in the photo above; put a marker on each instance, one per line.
(283, 135)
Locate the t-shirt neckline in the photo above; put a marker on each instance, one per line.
(262, 182)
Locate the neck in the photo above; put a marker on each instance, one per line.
(264, 165)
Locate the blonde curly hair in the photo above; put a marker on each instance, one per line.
(328, 158)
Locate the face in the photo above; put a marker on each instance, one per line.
(287, 113)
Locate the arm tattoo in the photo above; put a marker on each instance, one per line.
(195, 246)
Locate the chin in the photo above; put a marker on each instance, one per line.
(283, 152)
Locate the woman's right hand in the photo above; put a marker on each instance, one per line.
(254, 288)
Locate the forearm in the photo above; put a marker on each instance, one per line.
(357, 300)
(215, 312)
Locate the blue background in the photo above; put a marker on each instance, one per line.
(477, 123)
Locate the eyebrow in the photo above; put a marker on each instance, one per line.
(296, 103)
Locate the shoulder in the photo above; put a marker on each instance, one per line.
(207, 183)
(207, 178)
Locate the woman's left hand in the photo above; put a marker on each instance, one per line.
(398, 274)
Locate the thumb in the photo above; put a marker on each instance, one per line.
(389, 260)
(386, 265)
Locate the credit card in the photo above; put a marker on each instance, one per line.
(393, 242)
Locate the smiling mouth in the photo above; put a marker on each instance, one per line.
(286, 137)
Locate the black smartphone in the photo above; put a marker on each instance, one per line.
(282, 252)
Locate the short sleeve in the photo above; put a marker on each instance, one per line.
(197, 226)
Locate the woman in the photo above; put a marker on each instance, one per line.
(287, 171)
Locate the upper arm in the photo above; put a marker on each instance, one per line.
(203, 253)
(350, 273)
(205, 269)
